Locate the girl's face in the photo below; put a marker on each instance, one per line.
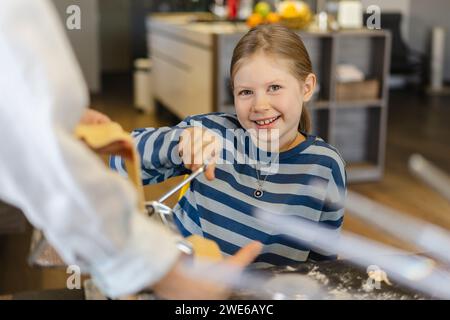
(269, 98)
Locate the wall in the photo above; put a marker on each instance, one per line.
(115, 35)
(85, 42)
(424, 16)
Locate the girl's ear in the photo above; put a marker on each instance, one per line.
(309, 86)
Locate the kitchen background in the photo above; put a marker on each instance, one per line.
(115, 33)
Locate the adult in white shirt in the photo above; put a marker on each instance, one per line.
(88, 213)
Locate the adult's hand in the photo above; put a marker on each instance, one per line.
(94, 117)
(180, 284)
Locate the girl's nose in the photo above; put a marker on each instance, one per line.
(261, 104)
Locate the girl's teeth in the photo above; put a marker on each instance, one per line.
(265, 122)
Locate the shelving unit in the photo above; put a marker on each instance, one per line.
(358, 127)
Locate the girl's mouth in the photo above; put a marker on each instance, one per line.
(266, 123)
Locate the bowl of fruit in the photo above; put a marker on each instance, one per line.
(295, 14)
(262, 14)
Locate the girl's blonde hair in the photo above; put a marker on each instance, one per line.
(277, 41)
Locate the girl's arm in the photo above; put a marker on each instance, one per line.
(158, 153)
(334, 206)
(168, 152)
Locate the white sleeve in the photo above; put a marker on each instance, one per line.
(88, 213)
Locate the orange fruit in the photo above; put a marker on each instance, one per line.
(254, 20)
(273, 17)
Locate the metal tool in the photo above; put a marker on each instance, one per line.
(164, 212)
(194, 175)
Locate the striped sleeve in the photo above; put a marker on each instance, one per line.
(158, 152)
(332, 215)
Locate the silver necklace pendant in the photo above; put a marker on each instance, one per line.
(258, 193)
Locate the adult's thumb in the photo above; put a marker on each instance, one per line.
(246, 255)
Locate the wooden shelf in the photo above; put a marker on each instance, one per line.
(359, 103)
(315, 34)
(360, 33)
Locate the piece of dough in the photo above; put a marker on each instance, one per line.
(205, 248)
(379, 276)
(101, 135)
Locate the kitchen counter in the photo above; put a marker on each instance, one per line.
(206, 24)
(191, 22)
(338, 280)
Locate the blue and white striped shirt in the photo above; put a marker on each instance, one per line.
(309, 183)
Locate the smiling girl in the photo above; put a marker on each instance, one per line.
(271, 78)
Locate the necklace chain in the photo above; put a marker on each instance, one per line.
(260, 183)
(258, 193)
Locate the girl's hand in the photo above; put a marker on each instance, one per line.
(199, 146)
(94, 117)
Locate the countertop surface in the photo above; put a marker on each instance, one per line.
(340, 280)
(201, 23)
(205, 23)
(331, 280)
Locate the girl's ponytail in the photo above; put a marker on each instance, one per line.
(305, 121)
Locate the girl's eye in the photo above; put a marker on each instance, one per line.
(245, 92)
(274, 87)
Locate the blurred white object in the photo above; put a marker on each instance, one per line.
(143, 97)
(219, 9)
(293, 287)
(416, 272)
(321, 16)
(350, 14)
(245, 9)
(437, 58)
(322, 21)
(87, 213)
(430, 174)
(348, 73)
(430, 238)
(437, 63)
